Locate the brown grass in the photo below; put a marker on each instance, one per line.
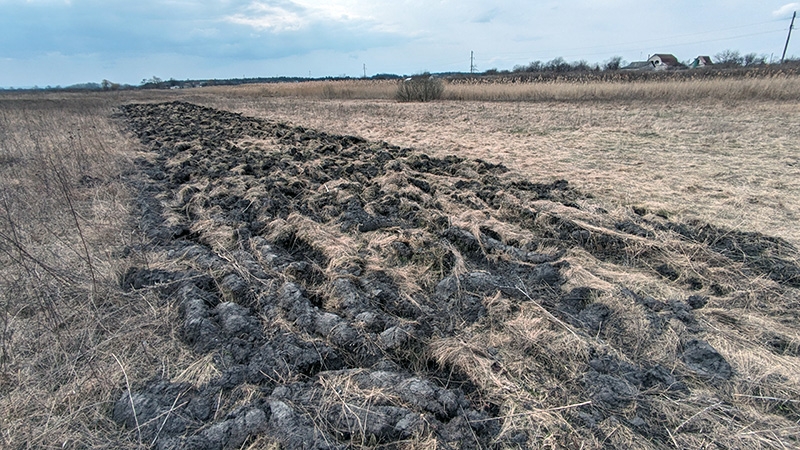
(743, 89)
(725, 152)
(68, 335)
(777, 87)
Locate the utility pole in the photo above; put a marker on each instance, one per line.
(787, 37)
(471, 62)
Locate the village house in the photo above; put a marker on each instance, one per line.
(659, 61)
(701, 61)
(663, 61)
(638, 65)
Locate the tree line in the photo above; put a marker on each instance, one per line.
(724, 60)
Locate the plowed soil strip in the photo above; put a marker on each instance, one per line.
(343, 293)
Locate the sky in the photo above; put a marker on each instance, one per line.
(63, 42)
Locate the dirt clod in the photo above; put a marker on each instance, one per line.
(704, 360)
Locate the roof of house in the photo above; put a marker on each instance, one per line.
(666, 58)
(636, 65)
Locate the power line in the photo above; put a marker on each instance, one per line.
(615, 48)
(703, 32)
(471, 62)
(641, 41)
(630, 49)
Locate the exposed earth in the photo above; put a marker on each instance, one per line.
(351, 293)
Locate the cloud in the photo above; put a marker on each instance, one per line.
(272, 16)
(292, 15)
(487, 16)
(786, 9)
(229, 29)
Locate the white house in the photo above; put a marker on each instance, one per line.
(663, 61)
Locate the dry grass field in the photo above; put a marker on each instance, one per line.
(662, 309)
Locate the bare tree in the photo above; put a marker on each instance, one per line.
(751, 59)
(615, 63)
(728, 58)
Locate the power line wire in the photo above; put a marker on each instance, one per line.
(640, 41)
(631, 49)
(571, 52)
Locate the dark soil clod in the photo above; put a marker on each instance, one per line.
(705, 361)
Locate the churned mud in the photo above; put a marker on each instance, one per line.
(317, 271)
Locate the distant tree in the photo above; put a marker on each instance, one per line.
(151, 82)
(87, 86)
(580, 66)
(109, 85)
(615, 63)
(558, 65)
(386, 76)
(534, 66)
(728, 58)
(751, 59)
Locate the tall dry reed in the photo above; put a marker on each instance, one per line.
(777, 87)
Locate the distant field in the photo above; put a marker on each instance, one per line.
(649, 302)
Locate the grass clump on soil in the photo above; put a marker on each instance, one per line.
(280, 286)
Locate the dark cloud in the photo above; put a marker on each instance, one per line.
(190, 28)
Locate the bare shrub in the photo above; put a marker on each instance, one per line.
(615, 63)
(728, 58)
(423, 88)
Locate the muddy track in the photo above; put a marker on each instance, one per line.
(316, 269)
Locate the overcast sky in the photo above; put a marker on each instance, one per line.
(62, 42)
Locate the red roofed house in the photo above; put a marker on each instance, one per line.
(663, 61)
(701, 61)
